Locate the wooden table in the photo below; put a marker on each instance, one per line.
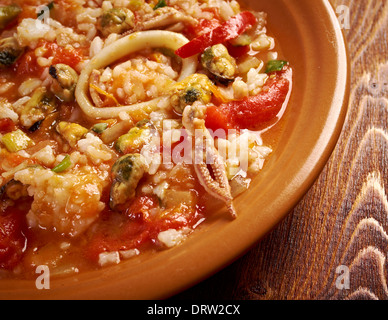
(334, 244)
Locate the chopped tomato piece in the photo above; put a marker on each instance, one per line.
(132, 230)
(6, 125)
(67, 55)
(131, 235)
(204, 26)
(12, 239)
(141, 206)
(229, 30)
(27, 64)
(13, 160)
(250, 112)
(216, 118)
(137, 228)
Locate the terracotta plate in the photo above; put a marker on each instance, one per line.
(311, 39)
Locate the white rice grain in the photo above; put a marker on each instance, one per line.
(127, 254)
(19, 103)
(172, 237)
(108, 258)
(30, 31)
(95, 46)
(45, 156)
(255, 81)
(5, 87)
(28, 86)
(6, 111)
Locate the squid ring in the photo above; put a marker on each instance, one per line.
(118, 50)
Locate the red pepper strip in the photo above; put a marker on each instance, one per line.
(229, 30)
(250, 112)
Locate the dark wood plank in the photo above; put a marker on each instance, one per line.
(341, 225)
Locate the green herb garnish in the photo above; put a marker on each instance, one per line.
(275, 65)
(160, 4)
(63, 165)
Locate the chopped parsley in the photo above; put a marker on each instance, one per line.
(160, 4)
(275, 65)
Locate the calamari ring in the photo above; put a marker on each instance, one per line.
(119, 49)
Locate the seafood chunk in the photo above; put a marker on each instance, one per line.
(116, 20)
(196, 87)
(164, 17)
(65, 81)
(216, 181)
(71, 132)
(219, 63)
(10, 52)
(126, 174)
(41, 104)
(136, 138)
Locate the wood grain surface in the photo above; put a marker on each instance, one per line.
(334, 244)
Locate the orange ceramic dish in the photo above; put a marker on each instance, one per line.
(178, 245)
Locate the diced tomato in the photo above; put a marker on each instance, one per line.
(229, 30)
(12, 238)
(141, 206)
(136, 228)
(132, 231)
(13, 160)
(95, 246)
(27, 64)
(131, 235)
(67, 55)
(216, 118)
(205, 26)
(252, 111)
(6, 125)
